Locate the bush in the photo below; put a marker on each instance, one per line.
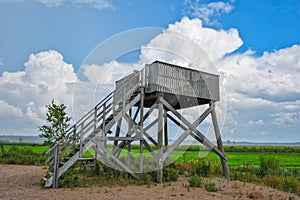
(268, 165)
(144, 178)
(170, 174)
(237, 174)
(270, 181)
(288, 184)
(201, 168)
(195, 181)
(211, 187)
(68, 181)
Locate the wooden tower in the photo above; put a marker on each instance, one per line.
(123, 118)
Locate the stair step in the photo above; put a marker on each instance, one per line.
(66, 159)
(45, 179)
(86, 159)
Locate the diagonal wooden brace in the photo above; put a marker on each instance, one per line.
(191, 129)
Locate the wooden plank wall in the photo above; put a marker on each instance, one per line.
(163, 77)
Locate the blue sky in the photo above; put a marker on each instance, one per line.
(254, 45)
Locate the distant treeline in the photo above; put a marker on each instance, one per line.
(21, 139)
(258, 149)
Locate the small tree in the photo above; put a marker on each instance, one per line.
(58, 122)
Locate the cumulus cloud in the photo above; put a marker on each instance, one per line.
(97, 4)
(25, 93)
(188, 41)
(256, 123)
(207, 12)
(9, 110)
(96, 82)
(271, 77)
(51, 3)
(286, 119)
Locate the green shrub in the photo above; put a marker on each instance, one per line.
(201, 168)
(68, 181)
(270, 181)
(268, 165)
(144, 178)
(170, 174)
(195, 181)
(288, 184)
(211, 187)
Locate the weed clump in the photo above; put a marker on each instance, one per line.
(211, 187)
(195, 181)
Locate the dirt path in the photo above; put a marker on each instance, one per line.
(23, 182)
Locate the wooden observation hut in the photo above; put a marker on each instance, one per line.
(122, 118)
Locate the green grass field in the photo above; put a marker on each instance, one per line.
(237, 155)
(251, 158)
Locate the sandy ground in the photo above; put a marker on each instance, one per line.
(23, 182)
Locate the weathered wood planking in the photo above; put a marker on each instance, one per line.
(173, 79)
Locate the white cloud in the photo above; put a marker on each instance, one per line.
(46, 76)
(256, 123)
(51, 3)
(188, 41)
(264, 133)
(7, 110)
(207, 12)
(97, 4)
(272, 77)
(100, 81)
(287, 119)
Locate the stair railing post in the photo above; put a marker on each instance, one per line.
(124, 101)
(81, 139)
(56, 167)
(95, 118)
(103, 118)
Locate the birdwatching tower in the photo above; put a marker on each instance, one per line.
(122, 118)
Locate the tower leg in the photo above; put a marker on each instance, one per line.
(56, 167)
(160, 142)
(220, 143)
(141, 133)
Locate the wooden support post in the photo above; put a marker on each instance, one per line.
(141, 129)
(130, 124)
(56, 167)
(129, 155)
(219, 142)
(166, 138)
(118, 129)
(160, 142)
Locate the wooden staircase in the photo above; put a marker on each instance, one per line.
(96, 123)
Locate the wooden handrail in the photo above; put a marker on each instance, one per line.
(75, 134)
